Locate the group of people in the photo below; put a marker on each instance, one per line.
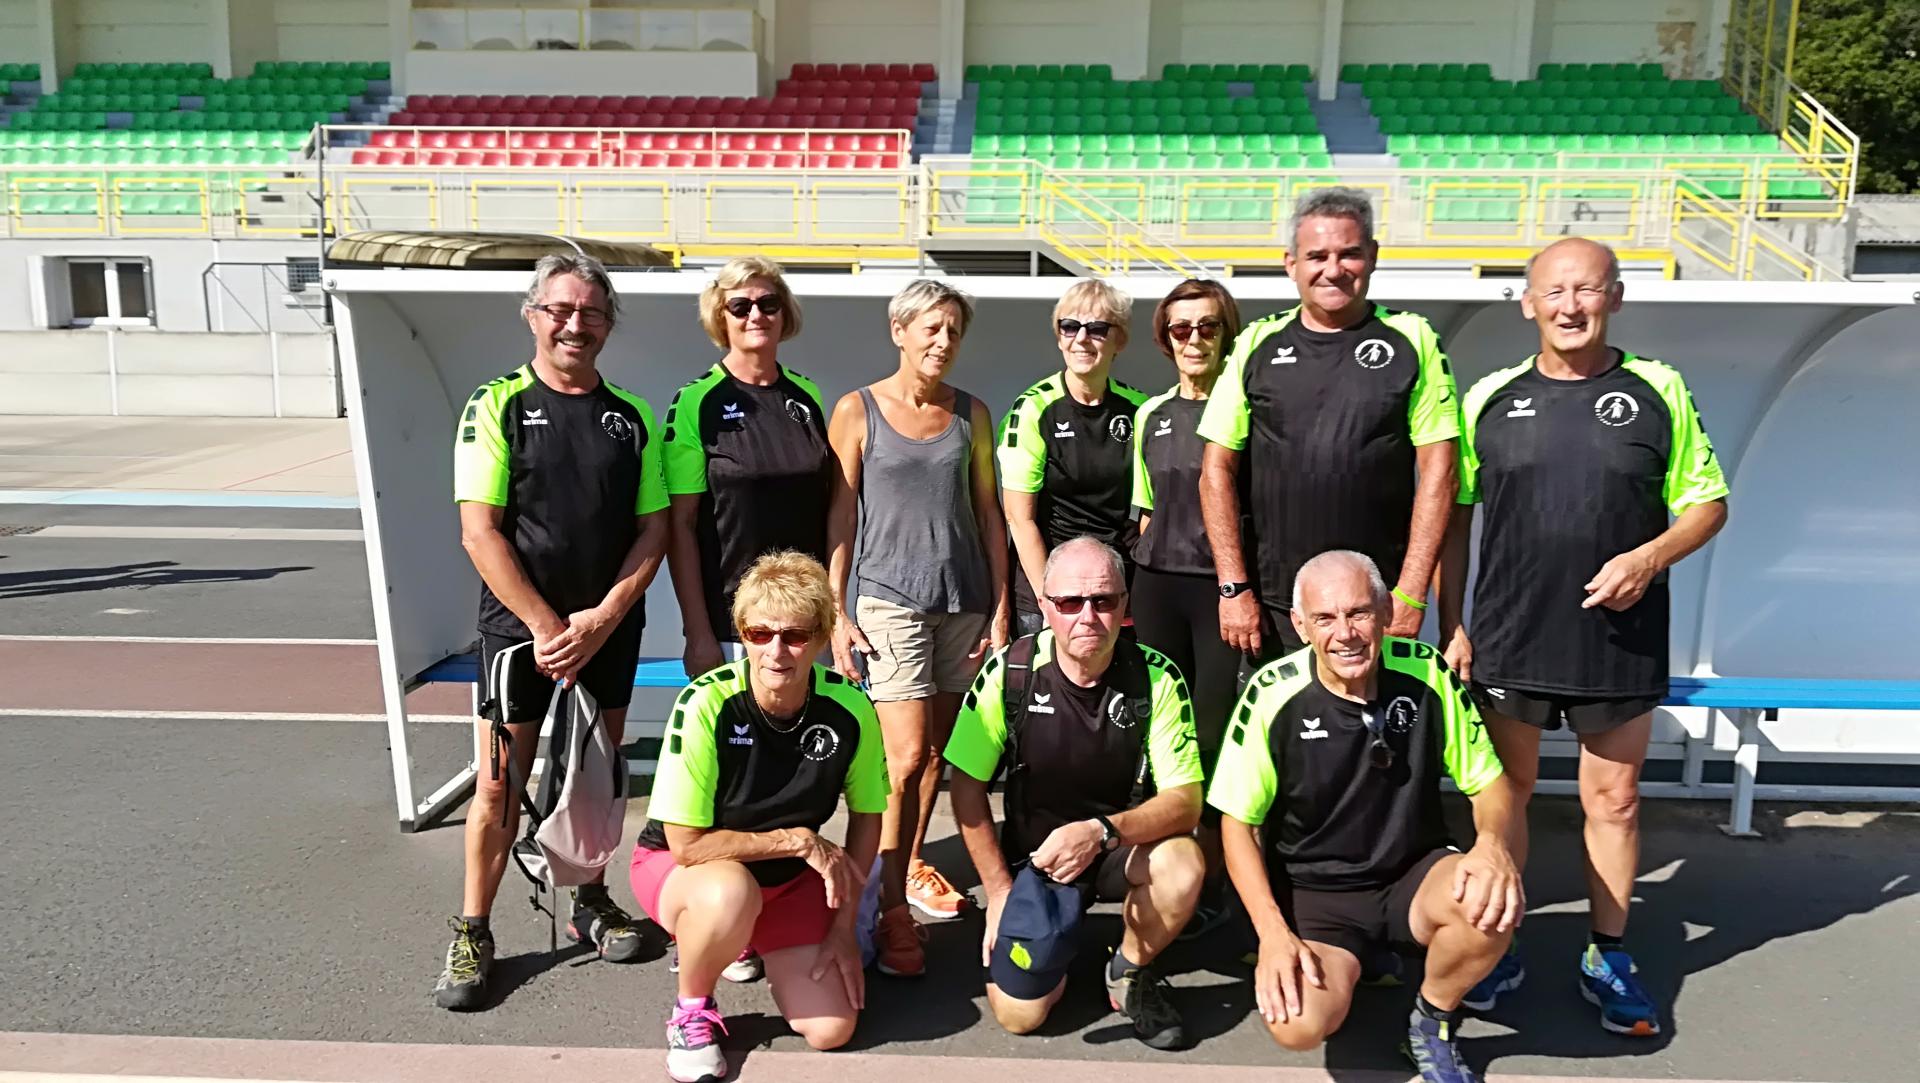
(1193, 662)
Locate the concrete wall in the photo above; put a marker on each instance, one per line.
(1235, 31)
(1670, 32)
(117, 372)
(1415, 31)
(1053, 31)
(19, 32)
(184, 297)
(333, 30)
(124, 30)
(842, 31)
(445, 71)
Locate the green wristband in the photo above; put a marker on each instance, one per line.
(1409, 599)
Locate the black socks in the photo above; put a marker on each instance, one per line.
(477, 926)
(1118, 966)
(1605, 942)
(1425, 1007)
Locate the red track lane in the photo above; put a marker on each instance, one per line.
(305, 678)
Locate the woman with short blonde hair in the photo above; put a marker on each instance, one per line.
(731, 863)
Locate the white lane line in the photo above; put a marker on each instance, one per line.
(70, 531)
(217, 641)
(133, 715)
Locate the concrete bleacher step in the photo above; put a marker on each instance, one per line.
(1348, 122)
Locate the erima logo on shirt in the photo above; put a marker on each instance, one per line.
(741, 736)
(533, 417)
(1166, 427)
(1313, 730)
(1374, 353)
(732, 412)
(1616, 408)
(1041, 703)
(1521, 408)
(1062, 429)
(1285, 356)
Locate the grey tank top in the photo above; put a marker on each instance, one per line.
(919, 544)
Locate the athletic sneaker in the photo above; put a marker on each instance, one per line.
(599, 921)
(1431, 1047)
(1506, 976)
(1606, 980)
(1205, 919)
(1140, 994)
(931, 894)
(693, 1053)
(745, 968)
(901, 955)
(463, 984)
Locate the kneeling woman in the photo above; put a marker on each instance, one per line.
(756, 757)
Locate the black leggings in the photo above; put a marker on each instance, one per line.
(1179, 616)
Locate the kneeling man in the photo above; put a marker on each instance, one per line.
(1329, 783)
(1082, 721)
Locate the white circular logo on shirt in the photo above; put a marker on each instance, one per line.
(799, 411)
(1120, 427)
(1117, 712)
(819, 742)
(1401, 712)
(1616, 408)
(1374, 353)
(617, 426)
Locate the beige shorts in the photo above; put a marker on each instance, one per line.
(917, 654)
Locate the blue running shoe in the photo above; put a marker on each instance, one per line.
(1606, 980)
(1507, 975)
(1430, 1047)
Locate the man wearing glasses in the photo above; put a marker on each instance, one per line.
(1318, 422)
(558, 477)
(1086, 725)
(1329, 787)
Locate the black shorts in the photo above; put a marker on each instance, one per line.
(1550, 711)
(1104, 881)
(607, 676)
(1361, 919)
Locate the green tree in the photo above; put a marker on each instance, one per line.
(1861, 59)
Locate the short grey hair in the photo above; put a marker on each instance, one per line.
(1342, 557)
(585, 268)
(924, 294)
(1613, 259)
(1336, 202)
(1086, 543)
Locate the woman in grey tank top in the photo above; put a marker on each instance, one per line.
(915, 503)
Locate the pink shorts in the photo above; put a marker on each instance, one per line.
(794, 914)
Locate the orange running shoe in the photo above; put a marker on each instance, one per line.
(901, 955)
(931, 894)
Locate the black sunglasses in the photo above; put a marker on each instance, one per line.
(768, 304)
(1093, 328)
(1207, 329)
(1380, 754)
(1071, 604)
(563, 314)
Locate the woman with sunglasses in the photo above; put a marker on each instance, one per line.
(1066, 448)
(757, 756)
(916, 497)
(749, 469)
(1176, 595)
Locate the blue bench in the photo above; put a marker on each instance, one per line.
(1745, 700)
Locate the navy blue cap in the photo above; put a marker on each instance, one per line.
(1038, 936)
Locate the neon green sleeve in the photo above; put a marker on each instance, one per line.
(1142, 483)
(1466, 748)
(1694, 476)
(1433, 413)
(652, 494)
(1244, 779)
(689, 765)
(1173, 744)
(480, 469)
(867, 783)
(1471, 408)
(684, 460)
(1022, 454)
(1224, 421)
(980, 732)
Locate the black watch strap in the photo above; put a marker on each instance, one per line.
(1234, 590)
(1109, 835)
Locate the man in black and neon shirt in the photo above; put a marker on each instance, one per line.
(1334, 755)
(1332, 427)
(1080, 720)
(558, 477)
(1065, 448)
(1577, 456)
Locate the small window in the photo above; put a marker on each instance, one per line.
(110, 292)
(302, 271)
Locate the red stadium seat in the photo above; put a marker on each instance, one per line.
(465, 103)
(388, 139)
(490, 103)
(417, 103)
(575, 160)
(729, 141)
(626, 120)
(707, 103)
(520, 158)
(433, 140)
(467, 158)
(493, 159)
(653, 159)
(837, 87)
(788, 86)
(733, 161)
(523, 120)
(833, 105)
(440, 158)
(460, 140)
(637, 141)
(679, 120)
(574, 119)
(679, 160)
(563, 103)
(394, 157)
(527, 140)
(899, 71)
(546, 159)
(489, 140)
(803, 71)
(514, 103)
(808, 104)
(757, 107)
(653, 120)
(863, 88)
(862, 106)
(789, 161)
(440, 103)
(759, 161)
(552, 120)
(696, 141)
(866, 161)
(874, 71)
(683, 103)
(833, 121)
(366, 156)
(783, 120)
(403, 118)
(539, 103)
(926, 73)
(601, 120)
(839, 161)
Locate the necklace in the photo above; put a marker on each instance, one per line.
(767, 719)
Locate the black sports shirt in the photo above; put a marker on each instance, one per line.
(759, 458)
(573, 473)
(1298, 761)
(725, 765)
(1080, 746)
(1166, 483)
(1077, 458)
(1573, 473)
(1328, 422)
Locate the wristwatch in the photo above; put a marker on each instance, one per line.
(1234, 590)
(1109, 838)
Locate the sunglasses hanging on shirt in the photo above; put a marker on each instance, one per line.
(1379, 753)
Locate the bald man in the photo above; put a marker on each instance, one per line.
(1596, 476)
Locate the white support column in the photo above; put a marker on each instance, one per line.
(1333, 19)
(399, 40)
(46, 25)
(220, 37)
(952, 65)
(1713, 63)
(1520, 60)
